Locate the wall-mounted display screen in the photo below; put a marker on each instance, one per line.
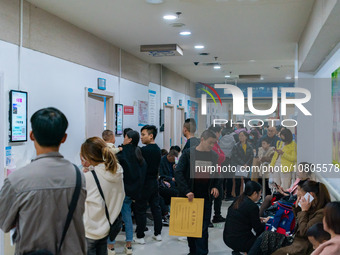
(119, 119)
(18, 116)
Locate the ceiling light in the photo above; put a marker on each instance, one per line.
(217, 67)
(261, 78)
(288, 77)
(169, 17)
(154, 1)
(227, 76)
(252, 60)
(199, 47)
(185, 33)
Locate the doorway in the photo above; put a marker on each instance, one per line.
(168, 126)
(179, 126)
(99, 112)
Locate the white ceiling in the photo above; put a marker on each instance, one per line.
(236, 31)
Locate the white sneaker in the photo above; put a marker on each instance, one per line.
(111, 252)
(157, 238)
(140, 240)
(182, 238)
(128, 250)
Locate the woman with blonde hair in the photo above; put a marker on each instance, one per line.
(110, 176)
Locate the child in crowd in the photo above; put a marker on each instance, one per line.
(110, 139)
(317, 235)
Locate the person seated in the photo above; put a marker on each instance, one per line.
(110, 139)
(317, 235)
(164, 152)
(242, 217)
(303, 173)
(308, 211)
(167, 183)
(166, 167)
(331, 223)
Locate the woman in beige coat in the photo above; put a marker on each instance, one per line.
(110, 176)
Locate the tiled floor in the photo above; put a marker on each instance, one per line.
(172, 246)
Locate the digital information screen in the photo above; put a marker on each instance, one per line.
(18, 116)
(119, 119)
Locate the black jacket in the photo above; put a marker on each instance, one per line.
(134, 173)
(238, 157)
(186, 165)
(240, 222)
(192, 142)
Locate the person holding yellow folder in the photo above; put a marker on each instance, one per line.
(194, 181)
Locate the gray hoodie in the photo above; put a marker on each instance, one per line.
(227, 143)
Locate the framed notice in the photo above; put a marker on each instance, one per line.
(18, 116)
(119, 119)
(186, 218)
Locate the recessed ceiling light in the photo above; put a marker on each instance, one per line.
(288, 77)
(199, 47)
(252, 60)
(261, 78)
(227, 76)
(217, 67)
(154, 1)
(185, 33)
(169, 17)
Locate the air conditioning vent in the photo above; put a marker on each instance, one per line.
(162, 50)
(250, 76)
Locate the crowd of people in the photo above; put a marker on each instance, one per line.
(56, 208)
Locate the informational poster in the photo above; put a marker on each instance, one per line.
(8, 155)
(152, 107)
(186, 218)
(143, 113)
(193, 110)
(18, 116)
(119, 119)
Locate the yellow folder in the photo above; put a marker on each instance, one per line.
(186, 218)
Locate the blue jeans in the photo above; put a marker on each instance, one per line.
(199, 246)
(126, 215)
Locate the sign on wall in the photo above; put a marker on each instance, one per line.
(143, 113)
(152, 107)
(18, 116)
(129, 110)
(119, 119)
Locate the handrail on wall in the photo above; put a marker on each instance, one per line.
(333, 192)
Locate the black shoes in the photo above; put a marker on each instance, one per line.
(211, 225)
(218, 219)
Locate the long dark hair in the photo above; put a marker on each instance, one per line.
(249, 189)
(320, 191)
(134, 135)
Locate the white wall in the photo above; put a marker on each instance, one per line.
(315, 134)
(55, 82)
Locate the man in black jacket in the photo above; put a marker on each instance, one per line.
(189, 129)
(199, 184)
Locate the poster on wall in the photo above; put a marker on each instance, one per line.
(18, 116)
(193, 110)
(119, 119)
(336, 115)
(143, 113)
(152, 107)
